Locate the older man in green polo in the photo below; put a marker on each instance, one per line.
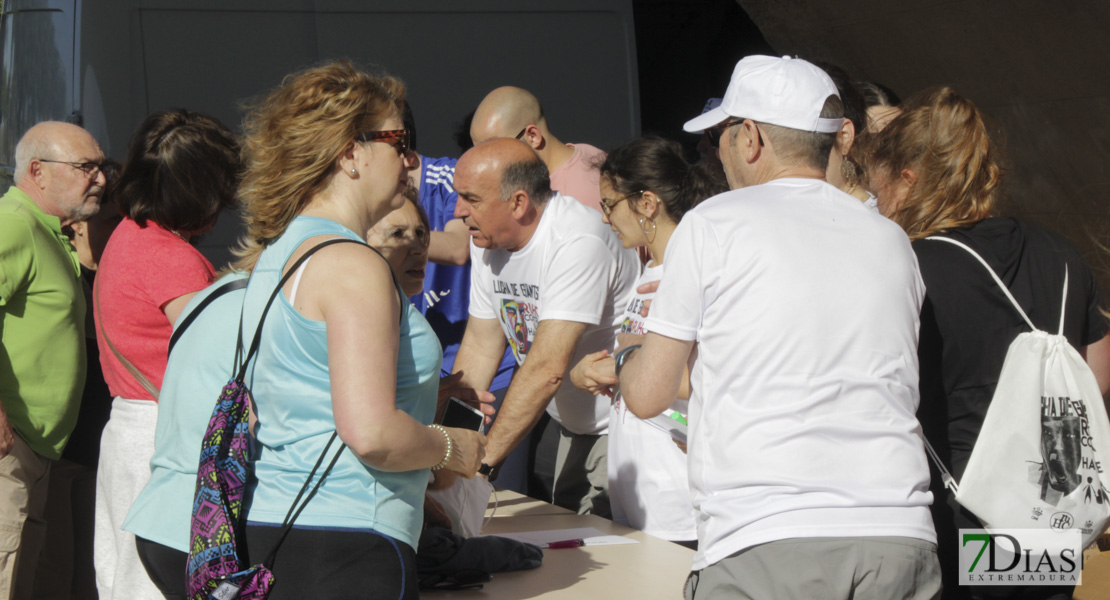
(58, 182)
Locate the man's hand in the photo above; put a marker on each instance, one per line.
(452, 386)
(7, 435)
(595, 373)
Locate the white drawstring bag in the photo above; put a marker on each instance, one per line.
(1040, 459)
(465, 502)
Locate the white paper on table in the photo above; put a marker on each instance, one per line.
(591, 535)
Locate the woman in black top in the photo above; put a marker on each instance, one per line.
(936, 173)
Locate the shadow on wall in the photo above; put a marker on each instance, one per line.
(686, 52)
(1051, 96)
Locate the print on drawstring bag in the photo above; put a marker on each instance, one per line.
(1040, 459)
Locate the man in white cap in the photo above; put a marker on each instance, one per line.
(797, 311)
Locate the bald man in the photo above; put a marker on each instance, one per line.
(512, 112)
(58, 182)
(549, 279)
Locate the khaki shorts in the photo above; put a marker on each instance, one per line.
(582, 473)
(879, 568)
(24, 477)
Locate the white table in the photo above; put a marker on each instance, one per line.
(653, 568)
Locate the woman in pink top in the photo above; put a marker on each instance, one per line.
(181, 171)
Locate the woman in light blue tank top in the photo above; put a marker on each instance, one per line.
(342, 350)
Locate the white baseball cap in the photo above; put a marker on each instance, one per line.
(710, 104)
(788, 92)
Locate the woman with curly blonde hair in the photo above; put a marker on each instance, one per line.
(343, 350)
(935, 170)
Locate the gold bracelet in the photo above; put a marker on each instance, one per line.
(450, 447)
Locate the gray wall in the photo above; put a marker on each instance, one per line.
(139, 56)
(1037, 68)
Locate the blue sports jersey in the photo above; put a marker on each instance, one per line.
(446, 298)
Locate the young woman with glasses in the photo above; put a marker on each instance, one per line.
(646, 187)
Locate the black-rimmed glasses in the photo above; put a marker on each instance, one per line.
(91, 169)
(608, 205)
(400, 138)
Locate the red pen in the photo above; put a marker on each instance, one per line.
(567, 544)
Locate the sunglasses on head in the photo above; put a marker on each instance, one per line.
(400, 138)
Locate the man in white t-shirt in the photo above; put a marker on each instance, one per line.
(551, 280)
(514, 112)
(797, 311)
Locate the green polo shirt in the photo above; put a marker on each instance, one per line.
(42, 325)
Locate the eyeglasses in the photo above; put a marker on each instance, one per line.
(91, 169)
(521, 134)
(713, 134)
(608, 205)
(400, 138)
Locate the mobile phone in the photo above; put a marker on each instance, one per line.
(464, 416)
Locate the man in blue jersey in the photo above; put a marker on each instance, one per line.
(445, 301)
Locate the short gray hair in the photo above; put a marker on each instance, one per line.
(528, 175)
(28, 149)
(804, 148)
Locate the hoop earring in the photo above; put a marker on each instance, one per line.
(650, 235)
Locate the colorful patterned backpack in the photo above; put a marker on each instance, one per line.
(215, 569)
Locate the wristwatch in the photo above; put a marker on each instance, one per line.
(489, 471)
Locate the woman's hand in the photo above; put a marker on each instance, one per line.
(648, 288)
(450, 386)
(469, 450)
(595, 373)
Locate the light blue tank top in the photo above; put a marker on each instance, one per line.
(292, 395)
(198, 369)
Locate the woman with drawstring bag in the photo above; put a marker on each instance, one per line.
(935, 171)
(342, 352)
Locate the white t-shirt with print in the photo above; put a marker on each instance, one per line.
(573, 269)
(804, 305)
(648, 486)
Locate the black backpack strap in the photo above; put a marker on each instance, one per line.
(256, 341)
(230, 286)
(295, 508)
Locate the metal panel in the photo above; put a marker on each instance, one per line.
(36, 70)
